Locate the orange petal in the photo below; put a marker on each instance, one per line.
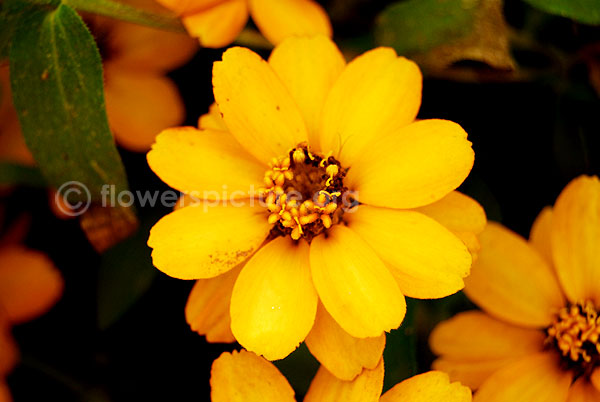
(540, 234)
(433, 386)
(471, 373)
(427, 260)
(340, 353)
(245, 377)
(354, 285)
(207, 164)
(595, 378)
(139, 106)
(511, 281)
(376, 94)
(4, 392)
(576, 239)
(212, 120)
(583, 391)
(8, 350)
(257, 108)
(413, 166)
(207, 308)
(30, 284)
(274, 302)
(205, 240)
(367, 387)
(280, 19)
(219, 25)
(536, 378)
(316, 60)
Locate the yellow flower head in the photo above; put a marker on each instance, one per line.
(216, 23)
(244, 376)
(315, 188)
(538, 339)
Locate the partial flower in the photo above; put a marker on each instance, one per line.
(216, 23)
(537, 338)
(244, 376)
(309, 222)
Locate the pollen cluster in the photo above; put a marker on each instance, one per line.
(303, 193)
(575, 331)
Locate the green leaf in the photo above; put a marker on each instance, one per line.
(126, 273)
(584, 11)
(57, 85)
(13, 174)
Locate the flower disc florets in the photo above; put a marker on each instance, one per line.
(305, 194)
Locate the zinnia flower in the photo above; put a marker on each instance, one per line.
(323, 228)
(538, 337)
(216, 23)
(244, 376)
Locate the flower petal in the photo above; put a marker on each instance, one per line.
(367, 387)
(576, 239)
(595, 378)
(298, 61)
(376, 94)
(540, 235)
(207, 308)
(139, 106)
(5, 395)
(30, 284)
(218, 25)
(413, 166)
(245, 377)
(536, 378)
(471, 373)
(212, 120)
(354, 285)
(257, 108)
(187, 7)
(583, 391)
(433, 386)
(204, 240)
(427, 260)
(274, 302)
(8, 349)
(278, 20)
(207, 164)
(339, 352)
(511, 281)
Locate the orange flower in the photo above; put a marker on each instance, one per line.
(308, 126)
(218, 22)
(244, 376)
(538, 339)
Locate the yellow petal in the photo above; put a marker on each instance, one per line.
(576, 239)
(433, 386)
(274, 302)
(245, 377)
(475, 336)
(207, 308)
(204, 240)
(540, 234)
(536, 378)
(427, 260)
(413, 166)
(30, 284)
(207, 164)
(354, 285)
(471, 373)
(139, 106)
(583, 391)
(376, 94)
(366, 387)
(212, 119)
(257, 108)
(340, 353)
(281, 19)
(315, 60)
(511, 281)
(219, 25)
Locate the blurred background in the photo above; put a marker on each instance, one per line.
(524, 84)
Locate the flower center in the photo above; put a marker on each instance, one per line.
(304, 193)
(575, 332)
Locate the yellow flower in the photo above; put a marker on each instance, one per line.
(537, 340)
(276, 239)
(244, 376)
(218, 22)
